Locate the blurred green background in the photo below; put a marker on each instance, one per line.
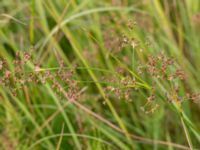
(87, 34)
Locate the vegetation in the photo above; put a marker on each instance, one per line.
(99, 75)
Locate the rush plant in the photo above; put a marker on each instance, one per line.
(99, 75)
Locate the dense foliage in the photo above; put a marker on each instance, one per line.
(99, 75)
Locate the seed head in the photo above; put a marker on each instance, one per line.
(27, 56)
(7, 74)
(180, 74)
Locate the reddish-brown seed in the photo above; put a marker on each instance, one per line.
(7, 74)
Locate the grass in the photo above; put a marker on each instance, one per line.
(103, 76)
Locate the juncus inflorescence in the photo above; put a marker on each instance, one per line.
(157, 67)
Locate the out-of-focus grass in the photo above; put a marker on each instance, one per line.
(75, 31)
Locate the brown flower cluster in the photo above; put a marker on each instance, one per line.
(194, 97)
(115, 42)
(150, 106)
(121, 88)
(15, 79)
(161, 67)
(157, 65)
